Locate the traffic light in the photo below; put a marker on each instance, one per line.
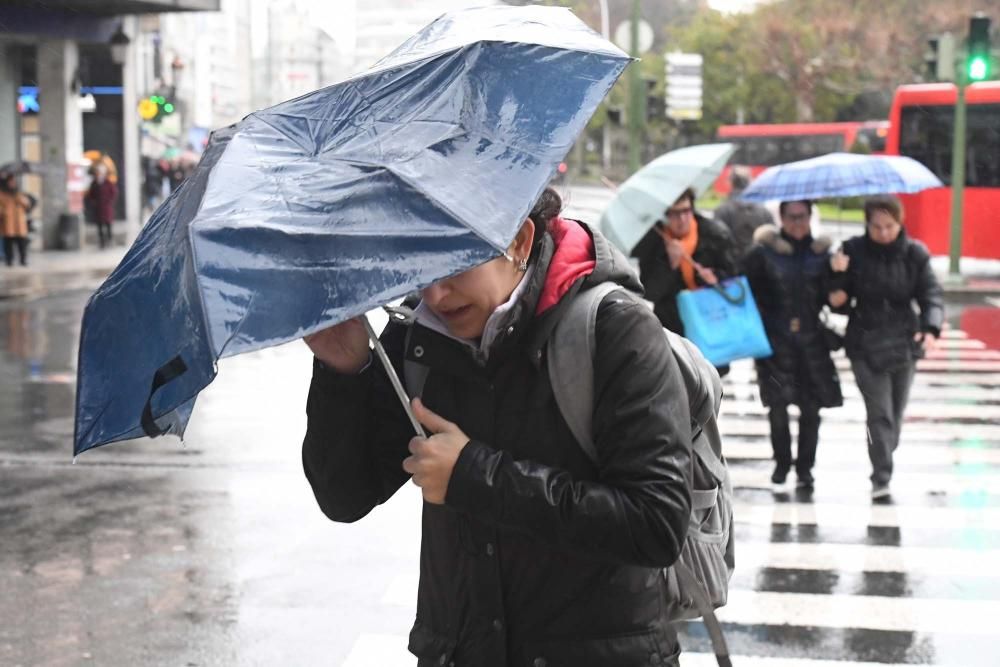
(154, 108)
(978, 63)
(940, 58)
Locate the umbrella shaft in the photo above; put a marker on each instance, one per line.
(393, 377)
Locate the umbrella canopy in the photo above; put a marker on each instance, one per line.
(841, 175)
(324, 207)
(16, 168)
(641, 200)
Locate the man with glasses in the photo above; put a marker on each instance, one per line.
(789, 274)
(683, 251)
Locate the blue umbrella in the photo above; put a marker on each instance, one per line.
(326, 206)
(841, 175)
(641, 200)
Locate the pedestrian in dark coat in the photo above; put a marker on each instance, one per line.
(741, 217)
(686, 251)
(789, 274)
(881, 275)
(531, 553)
(101, 197)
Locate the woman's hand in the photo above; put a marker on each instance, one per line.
(926, 339)
(837, 298)
(706, 274)
(342, 347)
(432, 459)
(839, 261)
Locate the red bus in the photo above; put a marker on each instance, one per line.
(766, 145)
(922, 121)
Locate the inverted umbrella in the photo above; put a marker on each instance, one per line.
(841, 175)
(641, 200)
(321, 208)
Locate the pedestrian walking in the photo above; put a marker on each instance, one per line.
(14, 208)
(101, 199)
(789, 273)
(741, 217)
(879, 277)
(685, 250)
(532, 552)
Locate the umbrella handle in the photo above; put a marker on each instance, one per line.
(393, 377)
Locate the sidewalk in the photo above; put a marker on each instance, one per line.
(58, 270)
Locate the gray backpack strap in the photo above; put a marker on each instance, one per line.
(572, 376)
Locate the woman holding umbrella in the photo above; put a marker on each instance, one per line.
(14, 209)
(880, 275)
(531, 553)
(684, 250)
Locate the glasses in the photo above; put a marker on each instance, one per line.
(796, 217)
(678, 213)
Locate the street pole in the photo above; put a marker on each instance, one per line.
(637, 95)
(605, 139)
(957, 177)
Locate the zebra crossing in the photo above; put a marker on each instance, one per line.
(831, 579)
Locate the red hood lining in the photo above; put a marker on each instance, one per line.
(572, 259)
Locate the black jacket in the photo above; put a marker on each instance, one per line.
(663, 284)
(790, 282)
(742, 218)
(537, 557)
(882, 283)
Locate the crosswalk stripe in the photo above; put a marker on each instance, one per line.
(961, 617)
(691, 659)
(927, 454)
(830, 514)
(857, 481)
(855, 411)
(375, 650)
(927, 561)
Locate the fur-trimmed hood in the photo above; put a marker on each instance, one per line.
(771, 237)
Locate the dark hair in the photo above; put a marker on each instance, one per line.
(547, 207)
(887, 203)
(807, 202)
(739, 177)
(687, 194)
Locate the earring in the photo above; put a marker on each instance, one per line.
(522, 266)
(506, 255)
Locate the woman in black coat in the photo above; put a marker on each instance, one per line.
(685, 251)
(531, 553)
(788, 273)
(881, 275)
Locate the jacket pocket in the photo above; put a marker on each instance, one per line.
(429, 647)
(652, 648)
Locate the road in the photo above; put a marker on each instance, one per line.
(212, 551)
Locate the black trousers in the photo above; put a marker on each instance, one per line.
(19, 242)
(781, 437)
(104, 234)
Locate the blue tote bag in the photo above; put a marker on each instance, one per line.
(723, 322)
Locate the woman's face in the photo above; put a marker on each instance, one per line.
(882, 227)
(679, 217)
(466, 301)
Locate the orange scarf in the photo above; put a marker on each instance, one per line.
(689, 243)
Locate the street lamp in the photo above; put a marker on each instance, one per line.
(119, 46)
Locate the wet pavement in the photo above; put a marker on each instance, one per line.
(212, 552)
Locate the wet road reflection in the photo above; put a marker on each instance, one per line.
(213, 552)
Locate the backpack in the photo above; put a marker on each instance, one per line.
(698, 582)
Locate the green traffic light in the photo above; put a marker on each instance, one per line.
(978, 68)
(168, 108)
(157, 99)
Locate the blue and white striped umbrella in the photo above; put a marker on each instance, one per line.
(841, 175)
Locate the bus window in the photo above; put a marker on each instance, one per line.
(926, 136)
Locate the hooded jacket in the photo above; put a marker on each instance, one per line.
(790, 281)
(538, 557)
